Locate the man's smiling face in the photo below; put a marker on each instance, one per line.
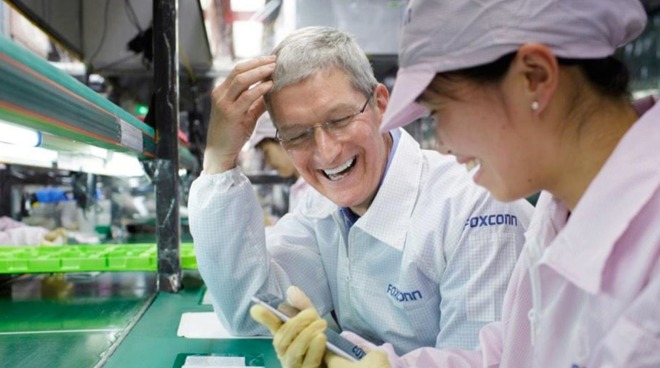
(346, 166)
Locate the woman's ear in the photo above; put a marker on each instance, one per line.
(539, 68)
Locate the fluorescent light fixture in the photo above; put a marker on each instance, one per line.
(72, 147)
(117, 164)
(19, 135)
(94, 151)
(18, 146)
(121, 164)
(82, 163)
(28, 156)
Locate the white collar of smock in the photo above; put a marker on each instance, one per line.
(388, 217)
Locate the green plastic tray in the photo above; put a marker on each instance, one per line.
(83, 258)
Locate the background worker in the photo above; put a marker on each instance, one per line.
(276, 157)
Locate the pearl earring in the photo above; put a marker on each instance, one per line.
(535, 105)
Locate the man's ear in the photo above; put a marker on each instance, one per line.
(381, 97)
(540, 71)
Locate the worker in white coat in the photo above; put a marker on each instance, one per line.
(398, 245)
(529, 92)
(264, 139)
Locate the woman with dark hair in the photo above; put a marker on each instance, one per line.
(527, 94)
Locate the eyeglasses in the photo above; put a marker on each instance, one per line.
(299, 139)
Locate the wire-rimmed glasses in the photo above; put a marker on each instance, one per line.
(298, 139)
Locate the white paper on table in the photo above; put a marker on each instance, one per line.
(213, 361)
(205, 325)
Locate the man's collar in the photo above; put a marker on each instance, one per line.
(347, 214)
(389, 214)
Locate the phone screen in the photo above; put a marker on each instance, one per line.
(335, 343)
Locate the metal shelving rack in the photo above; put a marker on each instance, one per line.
(35, 94)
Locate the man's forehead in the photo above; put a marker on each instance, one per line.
(314, 99)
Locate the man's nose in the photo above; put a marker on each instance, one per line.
(326, 145)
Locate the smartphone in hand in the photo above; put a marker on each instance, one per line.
(335, 343)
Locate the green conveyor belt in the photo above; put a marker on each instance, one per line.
(69, 320)
(154, 342)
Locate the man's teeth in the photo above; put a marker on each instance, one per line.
(472, 164)
(340, 168)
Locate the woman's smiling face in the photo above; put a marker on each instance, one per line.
(482, 125)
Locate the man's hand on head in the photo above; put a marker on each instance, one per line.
(236, 104)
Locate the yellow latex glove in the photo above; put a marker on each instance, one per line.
(300, 342)
(373, 359)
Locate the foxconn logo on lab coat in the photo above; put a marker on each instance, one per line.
(403, 296)
(492, 220)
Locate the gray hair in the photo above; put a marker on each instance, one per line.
(310, 50)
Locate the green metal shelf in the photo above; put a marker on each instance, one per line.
(87, 258)
(35, 94)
